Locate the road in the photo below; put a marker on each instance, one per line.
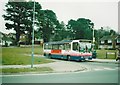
(95, 73)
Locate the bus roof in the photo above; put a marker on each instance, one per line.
(67, 41)
(60, 42)
(85, 40)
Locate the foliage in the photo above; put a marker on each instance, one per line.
(81, 28)
(19, 17)
(61, 32)
(47, 22)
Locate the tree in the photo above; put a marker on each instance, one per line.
(13, 15)
(28, 17)
(61, 32)
(81, 28)
(47, 23)
(19, 16)
(104, 32)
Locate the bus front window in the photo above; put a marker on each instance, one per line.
(76, 46)
(82, 47)
(85, 47)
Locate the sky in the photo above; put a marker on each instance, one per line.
(103, 13)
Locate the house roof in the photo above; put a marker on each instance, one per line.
(5, 37)
(109, 38)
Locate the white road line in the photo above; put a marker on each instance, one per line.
(98, 69)
(109, 69)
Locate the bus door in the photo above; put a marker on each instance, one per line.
(76, 46)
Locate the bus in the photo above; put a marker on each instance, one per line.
(77, 50)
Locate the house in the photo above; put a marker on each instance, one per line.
(11, 35)
(38, 41)
(109, 42)
(24, 40)
(5, 39)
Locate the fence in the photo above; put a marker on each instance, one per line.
(111, 53)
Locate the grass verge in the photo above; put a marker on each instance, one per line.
(17, 56)
(24, 70)
(102, 54)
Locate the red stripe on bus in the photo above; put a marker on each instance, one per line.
(56, 51)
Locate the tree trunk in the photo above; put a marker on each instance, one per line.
(29, 37)
(17, 38)
(114, 44)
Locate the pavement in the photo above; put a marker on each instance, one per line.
(105, 60)
(58, 66)
(62, 66)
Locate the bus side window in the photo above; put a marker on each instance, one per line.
(61, 47)
(45, 46)
(50, 47)
(55, 46)
(67, 46)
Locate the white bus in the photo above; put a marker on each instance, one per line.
(69, 49)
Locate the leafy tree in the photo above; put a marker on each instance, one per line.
(14, 15)
(60, 32)
(112, 32)
(19, 17)
(47, 23)
(28, 17)
(81, 28)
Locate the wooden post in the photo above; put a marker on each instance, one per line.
(106, 55)
(115, 55)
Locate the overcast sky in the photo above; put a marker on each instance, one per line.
(100, 12)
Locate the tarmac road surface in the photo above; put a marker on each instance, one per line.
(96, 72)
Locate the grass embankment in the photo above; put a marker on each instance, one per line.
(22, 56)
(101, 54)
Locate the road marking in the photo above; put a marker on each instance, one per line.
(109, 69)
(98, 69)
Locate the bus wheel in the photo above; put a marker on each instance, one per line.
(49, 56)
(68, 58)
(44, 54)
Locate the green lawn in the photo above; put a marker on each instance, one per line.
(23, 70)
(22, 56)
(102, 54)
